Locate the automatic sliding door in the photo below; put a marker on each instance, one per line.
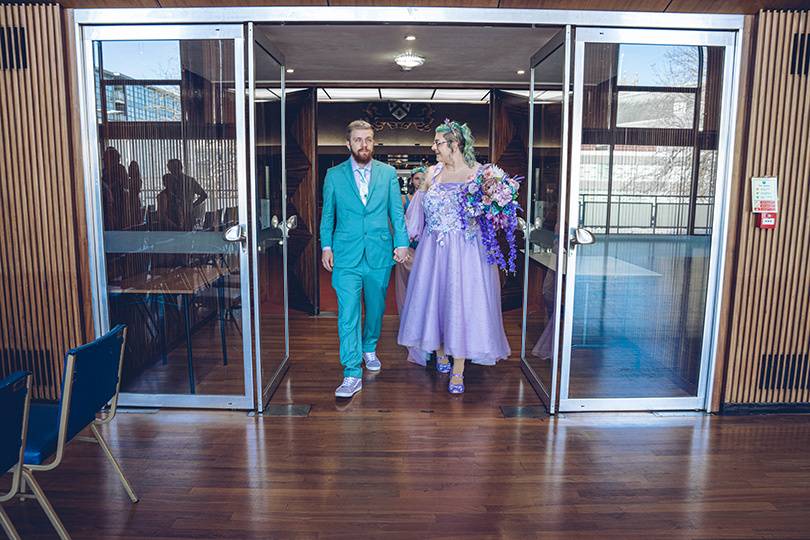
(547, 177)
(270, 226)
(650, 113)
(166, 149)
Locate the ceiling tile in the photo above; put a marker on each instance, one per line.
(474, 94)
(80, 4)
(332, 53)
(733, 6)
(417, 3)
(406, 93)
(597, 5)
(352, 93)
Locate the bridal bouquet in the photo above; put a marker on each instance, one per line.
(490, 200)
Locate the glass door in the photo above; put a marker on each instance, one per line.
(270, 224)
(165, 155)
(547, 186)
(648, 171)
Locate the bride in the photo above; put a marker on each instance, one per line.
(453, 301)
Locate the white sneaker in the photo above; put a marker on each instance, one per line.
(372, 362)
(349, 387)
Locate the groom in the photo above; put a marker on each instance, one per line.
(361, 205)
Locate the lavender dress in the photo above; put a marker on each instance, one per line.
(453, 297)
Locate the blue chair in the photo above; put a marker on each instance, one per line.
(15, 400)
(92, 375)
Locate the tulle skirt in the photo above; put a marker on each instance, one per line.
(453, 299)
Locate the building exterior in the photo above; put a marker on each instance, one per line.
(675, 158)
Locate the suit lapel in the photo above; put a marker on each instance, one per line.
(372, 184)
(349, 173)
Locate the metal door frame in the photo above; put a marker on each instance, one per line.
(85, 36)
(727, 40)
(265, 391)
(562, 39)
(706, 25)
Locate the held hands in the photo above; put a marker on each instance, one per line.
(401, 255)
(328, 259)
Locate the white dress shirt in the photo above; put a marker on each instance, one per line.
(362, 177)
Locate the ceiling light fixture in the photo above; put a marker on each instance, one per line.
(290, 70)
(408, 60)
(410, 38)
(521, 72)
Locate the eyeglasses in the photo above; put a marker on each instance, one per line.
(437, 143)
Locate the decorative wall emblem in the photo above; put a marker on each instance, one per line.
(399, 110)
(398, 115)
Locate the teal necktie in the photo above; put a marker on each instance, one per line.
(363, 184)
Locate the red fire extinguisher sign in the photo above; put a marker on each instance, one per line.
(764, 201)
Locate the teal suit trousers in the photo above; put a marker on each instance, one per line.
(350, 284)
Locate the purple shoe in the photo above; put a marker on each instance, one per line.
(456, 388)
(443, 367)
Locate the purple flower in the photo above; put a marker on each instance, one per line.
(490, 201)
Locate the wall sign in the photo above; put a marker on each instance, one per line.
(764, 200)
(400, 115)
(764, 194)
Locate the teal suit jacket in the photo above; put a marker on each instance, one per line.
(352, 229)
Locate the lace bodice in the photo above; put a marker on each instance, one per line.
(437, 211)
(441, 205)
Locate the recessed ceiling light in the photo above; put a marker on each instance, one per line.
(410, 38)
(521, 72)
(408, 60)
(290, 70)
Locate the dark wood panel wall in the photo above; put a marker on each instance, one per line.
(767, 310)
(302, 179)
(43, 298)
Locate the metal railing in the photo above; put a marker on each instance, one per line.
(645, 214)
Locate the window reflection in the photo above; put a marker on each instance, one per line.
(648, 167)
(166, 120)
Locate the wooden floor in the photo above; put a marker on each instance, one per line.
(404, 459)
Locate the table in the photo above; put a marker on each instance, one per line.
(184, 282)
(590, 267)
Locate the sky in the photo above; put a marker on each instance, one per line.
(143, 59)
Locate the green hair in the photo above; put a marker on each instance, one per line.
(420, 169)
(454, 131)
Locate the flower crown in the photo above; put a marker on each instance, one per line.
(464, 137)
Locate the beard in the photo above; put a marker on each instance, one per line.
(361, 157)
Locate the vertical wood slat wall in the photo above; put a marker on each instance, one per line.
(41, 301)
(769, 333)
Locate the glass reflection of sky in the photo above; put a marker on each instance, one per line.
(143, 59)
(658, 65)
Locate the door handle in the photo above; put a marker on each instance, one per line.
(525, 228)
(236, 233)
(285, 227)
(582, 237)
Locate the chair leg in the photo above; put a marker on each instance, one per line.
(11, 532)
(124, 481)
(46, 505)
